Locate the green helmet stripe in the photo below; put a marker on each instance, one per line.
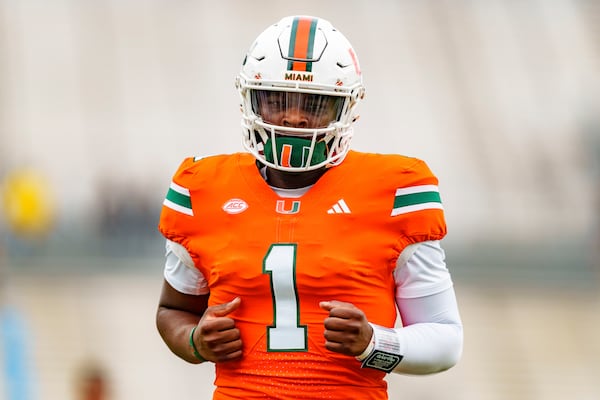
(302, 41)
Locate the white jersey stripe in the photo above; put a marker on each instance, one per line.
(177, 207)
(416, 189)
(416, 207)
(180, 189)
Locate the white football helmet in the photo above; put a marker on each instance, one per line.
(300, 64)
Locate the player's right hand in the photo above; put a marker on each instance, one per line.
(216, 337)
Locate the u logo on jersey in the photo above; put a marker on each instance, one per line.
(287, 206)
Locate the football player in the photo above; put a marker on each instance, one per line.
(287, 265)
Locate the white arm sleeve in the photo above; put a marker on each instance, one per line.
(180, 271)
(432, 337)
(421, 270)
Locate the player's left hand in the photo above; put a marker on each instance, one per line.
(347, 330)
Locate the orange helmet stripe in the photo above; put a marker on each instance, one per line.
(302, 41)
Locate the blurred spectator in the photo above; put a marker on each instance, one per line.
(14, 349)
(124, 209)
(125, 218)
(92, 383)
(27, 203)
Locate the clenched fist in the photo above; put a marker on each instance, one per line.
(216, 337)
(347, 330)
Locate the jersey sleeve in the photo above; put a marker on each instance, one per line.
(416, 207)
(423, 272)
(180, 272)
(176, 221)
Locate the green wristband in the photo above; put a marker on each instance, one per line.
(196, 353)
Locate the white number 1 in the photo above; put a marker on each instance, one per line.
(286, 333)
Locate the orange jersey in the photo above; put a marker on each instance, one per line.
(282, 256)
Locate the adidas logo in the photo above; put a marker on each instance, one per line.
(340, 207)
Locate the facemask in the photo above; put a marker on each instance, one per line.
(293, 151)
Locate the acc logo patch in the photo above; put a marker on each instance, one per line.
(235, 206)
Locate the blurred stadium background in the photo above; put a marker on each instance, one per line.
(100, 101)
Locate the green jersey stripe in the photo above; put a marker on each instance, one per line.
(178, 198)
(416, 198)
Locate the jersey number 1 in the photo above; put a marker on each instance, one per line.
(286, 333)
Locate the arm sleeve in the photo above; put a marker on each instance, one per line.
(180, 271)
(421, 270)
(431, 339)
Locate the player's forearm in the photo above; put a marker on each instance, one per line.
(432, 339)
(419, 349)
(429, 348)
(430, 342)
(174, 327)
